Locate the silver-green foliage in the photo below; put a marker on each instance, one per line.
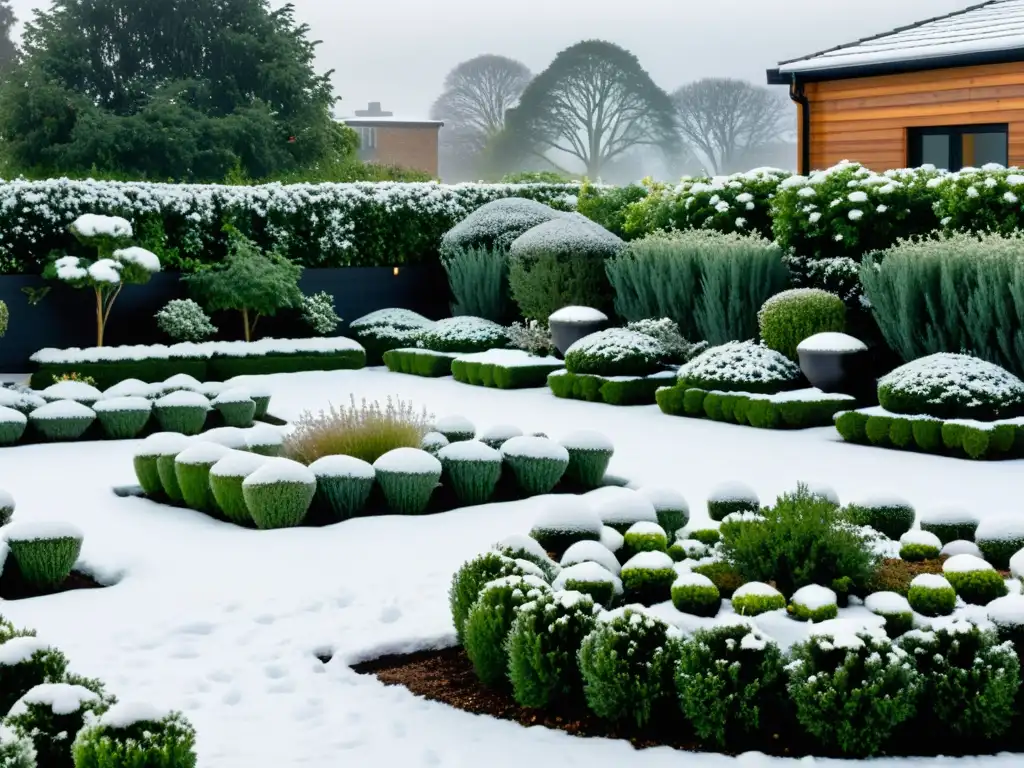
(478, 278)
(407, 493)
(281, 504)
(124, 423)
(57, 428)
(472, 480)
(344, 495)
(186, 419)
(167, 743)
(45, 562)
(587, 466)
(185, 320)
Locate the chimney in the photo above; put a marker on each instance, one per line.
(373, 110)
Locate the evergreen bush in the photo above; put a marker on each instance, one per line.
(236, 407)
(696, 594)
(730, 498)
(520, 546)
(51, 715)
(813, 603)
(974, 580)
(472, 469)
(621, 508)
(318, 313)
(478, 279)
(647, 578)
(408, 478)
(999, 538)
(464, 335)
(670, 506)
(279, 493)
(12, 425)
(891, 517)
(931, 595)
(687, 549)
(755, 598)
(72, 389)
(62, 420)
(433, 442)
(919, 545)
(16, 751)
(387, 329)
(590, 578)
(123, 418)
(185, 320)
(25, 662)
(593, 552)
(181, 411)
(470, 579)
(264, 440)
(740, 366)
(497, 435)
(133, 735)
(789, 317)
(563, 521)
(192, 470)
(226, 478)
(455, 428)
(343, 485)
(645, 537)
(537, 463)
(162, 446)
(589, 456)
(950, 523)
(614, 352)
(495, 225)
(45, 552)
(894, 608)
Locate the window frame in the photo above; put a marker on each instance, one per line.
(956, 146)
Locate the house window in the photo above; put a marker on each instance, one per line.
(367, 138)
(953, 147)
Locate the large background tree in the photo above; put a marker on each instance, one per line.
(8, 50)
(168, 89)
(728, 121)
(593, 103)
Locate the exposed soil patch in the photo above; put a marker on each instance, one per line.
(13, 587)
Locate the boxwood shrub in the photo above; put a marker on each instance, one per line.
(755, 598)
(160, 449)
(789, 317)
(740, 366)
(563, 521)
(70, 389)
(62, 420)
(12, 425)
(589, 456)
(999, 538)
(226, 477)
(182, 411)
(974, 580)
(670, 506)
(931, 595)
(593, 552)
(497, 435)
(123, 418)
(472, 469)
(813, 603)
(598, 389)
(919, 545)
(236, 407)
(593, 579)
(891, 517)
(464, 335)
(192, 470)
(408, 478)
(279, 493)
(522, 371)
(387, 329)
(419, 362)
(25, 662)
(647, 578)
(614, 352)
(45, 552)
(732, 497)
(128, 734)
(264, 439)
(343, 486)
(51, 715)
(433, 442)
(520, 546)
(645, 537)
(696, 594)
(537, 463)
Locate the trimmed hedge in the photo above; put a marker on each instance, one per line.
(761, 411)
(598, 389)
(481, 373)
(419, 362)
(996, 440)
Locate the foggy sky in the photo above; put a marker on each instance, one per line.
(398, 51)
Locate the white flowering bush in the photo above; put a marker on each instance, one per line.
(318, 313)
(185, 320)
(983, 199)
(740, 366)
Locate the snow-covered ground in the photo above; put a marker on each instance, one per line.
(224, 623)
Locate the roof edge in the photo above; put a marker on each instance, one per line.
(879, 69)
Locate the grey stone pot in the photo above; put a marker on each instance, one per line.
(570, 324)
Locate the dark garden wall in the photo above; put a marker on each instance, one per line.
(65, 317)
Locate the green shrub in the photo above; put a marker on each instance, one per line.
(7, 506)
(999, 538)
(627, 666)
(927, 434)
(670, 506)
(706, 536)
(495, 225)
(789, 317)
(388, 329)
(974, 580)
(969, 679)
(182, 411)
(687, 549)
(74, 389)
(472, 469)
(614, 352)
(647, 578)
(51, 715)
(852, 425)
(12, 425)
(891, 517)
(236, 407)
(504, 369)
(755, 598)
(726, 678)
(478, 279)
(121, 737)
(408, 478)
(726, 499)
(543, 643)
(470, 579)
(563, 522)
(901, 433)
(192, 470)
(876, 429)
(1008, 619)
(158, 444)
(592, 579)
(851, 692)
(740, 366)
(123, 418)
(45, 552)
(803, 540)
(226, 478)
(62, 420)
(931, 595)
(490, 620)
(695, 594)
(894, 608)
(26, 662)
(645, 537)
(266, 440)
(16, 751)
(919, 545)
(343, 485)
(537, 463)
(433, 442)
(419, 362)
(813, 603)
(455, 428)
(279, 493)
(464, 335)
(165, 467)
(589, 456)
(595, 389)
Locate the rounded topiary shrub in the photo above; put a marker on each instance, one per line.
(696, 594)
(496, 225)
(999, 538)
(235, 438)
(543, 644)
(259, 393)
(408, 478)
(387, 329)
(564, 521)
(226, 477)
(645, 537)
(740, 366)
(917, 545)
(789, 317)
(894, 608)
(455, 428)
(593, 552)
(708, 536)
(470, 579)
(464, 335)
(627, 663)
(472, 469)
(950, 523)
(589, 456)
(647, 578)
(182, 411)
(614, 352)
(852, 691)
(236, 406)
(45, 551)
(891, 517)
(16, 751)
(123, 418)
(192, 470)
(621, 508)
(180, 382)
(519, 546)
(264, 439)
(22, 400)
(591, 578)
(69, 389)
(7, 507)
(433, 442)
(489, 622)
(133, 734)
(499, 434)
(728, 678)
(164, 446)
(128, 388)
(950, 386)
(670, 506)
(279, 493)
(343, 485)
(538, 463)
(51, 715)
(813, 603)
(62, 420)
(931, 595)
(728, 498)
(12, 425)
(25, 662)
(687, 549)
(974, 580)
(755, 598)
(1007, 616)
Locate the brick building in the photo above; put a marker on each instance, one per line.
(391, 140)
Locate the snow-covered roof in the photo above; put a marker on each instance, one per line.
(990, 28)
(355, 122)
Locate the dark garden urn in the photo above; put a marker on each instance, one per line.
(570, 324)
(837, 363)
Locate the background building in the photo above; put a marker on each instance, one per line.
(391, 140)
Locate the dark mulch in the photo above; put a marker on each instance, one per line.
(13, 587)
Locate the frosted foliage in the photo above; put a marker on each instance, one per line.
(664, 499)
(238, 464)
(202, 452)
(692, 580)
(185, 320)
(741, 362)
(163, 444)
(616, 344)
(586, 573)
(965, 378)
(948, 516)
(535, 448)
(465, 330)
(63, 409)
(930, 581)
(342, 466)
(590, 551)
(469, 450)
(521, 542)
(118, 404)
(35, 530)
(454, 424)
(734, 492)
(183, 398)
(498, 223)
(570, 234)
(587, 441)
(203, 351)
(752, 588)
(277, 470)
(140, 257)
(649, 561)
(393, 318)
(11, 416)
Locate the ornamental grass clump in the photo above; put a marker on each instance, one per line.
(627, 664)
(537, 463)
(696, 594)
(343, 485)
(123, 418)
(755, 598)
(729, 679)
(647, 578)
(279, 493)
(999, 538)
(564, 521)
(192, 470)
(472, 469)
(931, 595)
(408, 477)
(12, 425)
(789, 317)
(543, 645)
(131, 734)
(226, 478)
(950, 523)
(365, 430)
(471, 578)
(236, 407)
(62, 420)
(894, 608)
(455, 428)
(26, 662)
(918, 545)
(589, 456)
(728, 498)
(51, 715)
(159, 445)
(813, 603)
(974, 580)
(670, 506)
(182, 411)
(45, 552)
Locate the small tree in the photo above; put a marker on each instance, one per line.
(249, 281)
(113, 267)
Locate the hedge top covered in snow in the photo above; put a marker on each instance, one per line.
(496, 225)
(593, 552)
(734, 491)
(587, 440)
(469, 450)
(408, 461)
(813, 597)
(691, 579)
(342, 466)
(568, 513)
(614, 352)
(72, 390)
(1004, 527)
(965, 564)
(917, 537)
(740, 366)
(119, 404)
(279, 470)
(402, 319)
(568, 235)
(21, 649)
(238, 464)
(587, 572)
(90, 225)
(63, 409)
(649, 561)
(163, 444)
(930, 581)
(202, 452)
(127, 713)
(183, 398)
(887, 603)
(11, 416)
(533, 447)
(622, 507)
(463, 334)
(36, 530)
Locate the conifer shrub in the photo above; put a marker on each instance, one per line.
(408, 478)
(472, 469)
(51, 715)
(519, 546)
(132, 735)
(891, 517)
(537, 463)
(732, 497)
(182, 411)
(192, 470)
(123, 418)
(343, 485)
(26, 662)
(726, 679)
(45, 552)
(564, 521)
(950, 523)
(543, 644)
(279, 493)
(918, 545)
(478, 279)
(226, 478)
(236, 406)
(589, 456)
(696, 594)
(471, 578)
(931, 595)
(974, 580)
(894, 608)
(16, 751)
(755, 598)
(670, 506)
(813, 603)
(647, 578)
(789, 317)
(62, 420)
(12, 425)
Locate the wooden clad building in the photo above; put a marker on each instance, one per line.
(948, 91)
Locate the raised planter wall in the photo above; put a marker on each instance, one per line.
(66, 316)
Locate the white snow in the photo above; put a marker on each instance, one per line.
(575, 314)
(1017, 565)
(520, 541)
(231, 437)
(34, 530)
(1006, 526)
(887, 603)
(6, 500)
(509, 358)
(734, 491)
(591, 551)
(11, 416)
(587, 572)
(233, 395)
(238, 464)
(163, 444)
(743, 517)
(664, 498)
(454, 423)
(757, 588)
(263, 435)
(183, 397)
(814, 597)
(947, 515)
(203, 351)
(182, 380)
(930, 581)
(649, 561)
(587, 440)
(831, 342)
(961, 547)
(646, 528)
(567, 513)
(202, 452)
(94, 225)
(612, 539)
(256, 387)
(500, 432)
(409, 461)
(921, 538)
(277, 470)
(528, 446)
(616, 344)
(115, 404)
(469, 450)
(19, 649)
(1007, 611)
(692, 580)
(965, 564)
(623, 506)
(148, 260)
(61, 698)
(126, 713)
(15, 399)
(63, 409)
(342, 466)
(71, 390)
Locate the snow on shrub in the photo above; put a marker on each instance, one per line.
(318, 313)
(519, 546)
(917, 545)
(16, 751)
(960, 547)
(22, 400)
(45, 551)
(589, 456)
(950, 523)
(740, 366)
(1007, 616)
(970, 679)
(464, 335)
(180, 382)
(69, 389)
(614, 352)
(489, 621)
(788, 318)
(181, 411)
(708, 536)
(472, 469)
(591, 578)
(51, 715)
(12, 425)
(999, 538)
(676, 349)
(226, 477)
(687, 549)
(264, 439)
(408, 478)
(471, 578)
(455, 428)
(433, 442)
(154, 463)
(894, 608)
(497, 435)
(627, 665)
(670, 506)
(130, 734)
(852, 691)
(62, 420)
(129, 388)
(563, 521)
(185, 320)
(593, 552)
(236, 407)
(192, 470)
(695, 594)
(495, 225)
(728, 498)
(543, 644)
(755, 598)
(123, 418)
(279, 493)
(974, 580)
(343, 485)
(647, 578)
(388, 329)
(620, 508)
(645, 537)
(891, 517)
(538, 463)
(813, 603)
(951, 386)
(726, 678)
(26, 662)
(7, 507)
(612, 539)
(931, 595)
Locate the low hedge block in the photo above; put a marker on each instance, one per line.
(62, 420)
(597, 389)
(761, 411)
(224, 368)
(483, 374)
(108, 374)
(418, 362)
(961, 439)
